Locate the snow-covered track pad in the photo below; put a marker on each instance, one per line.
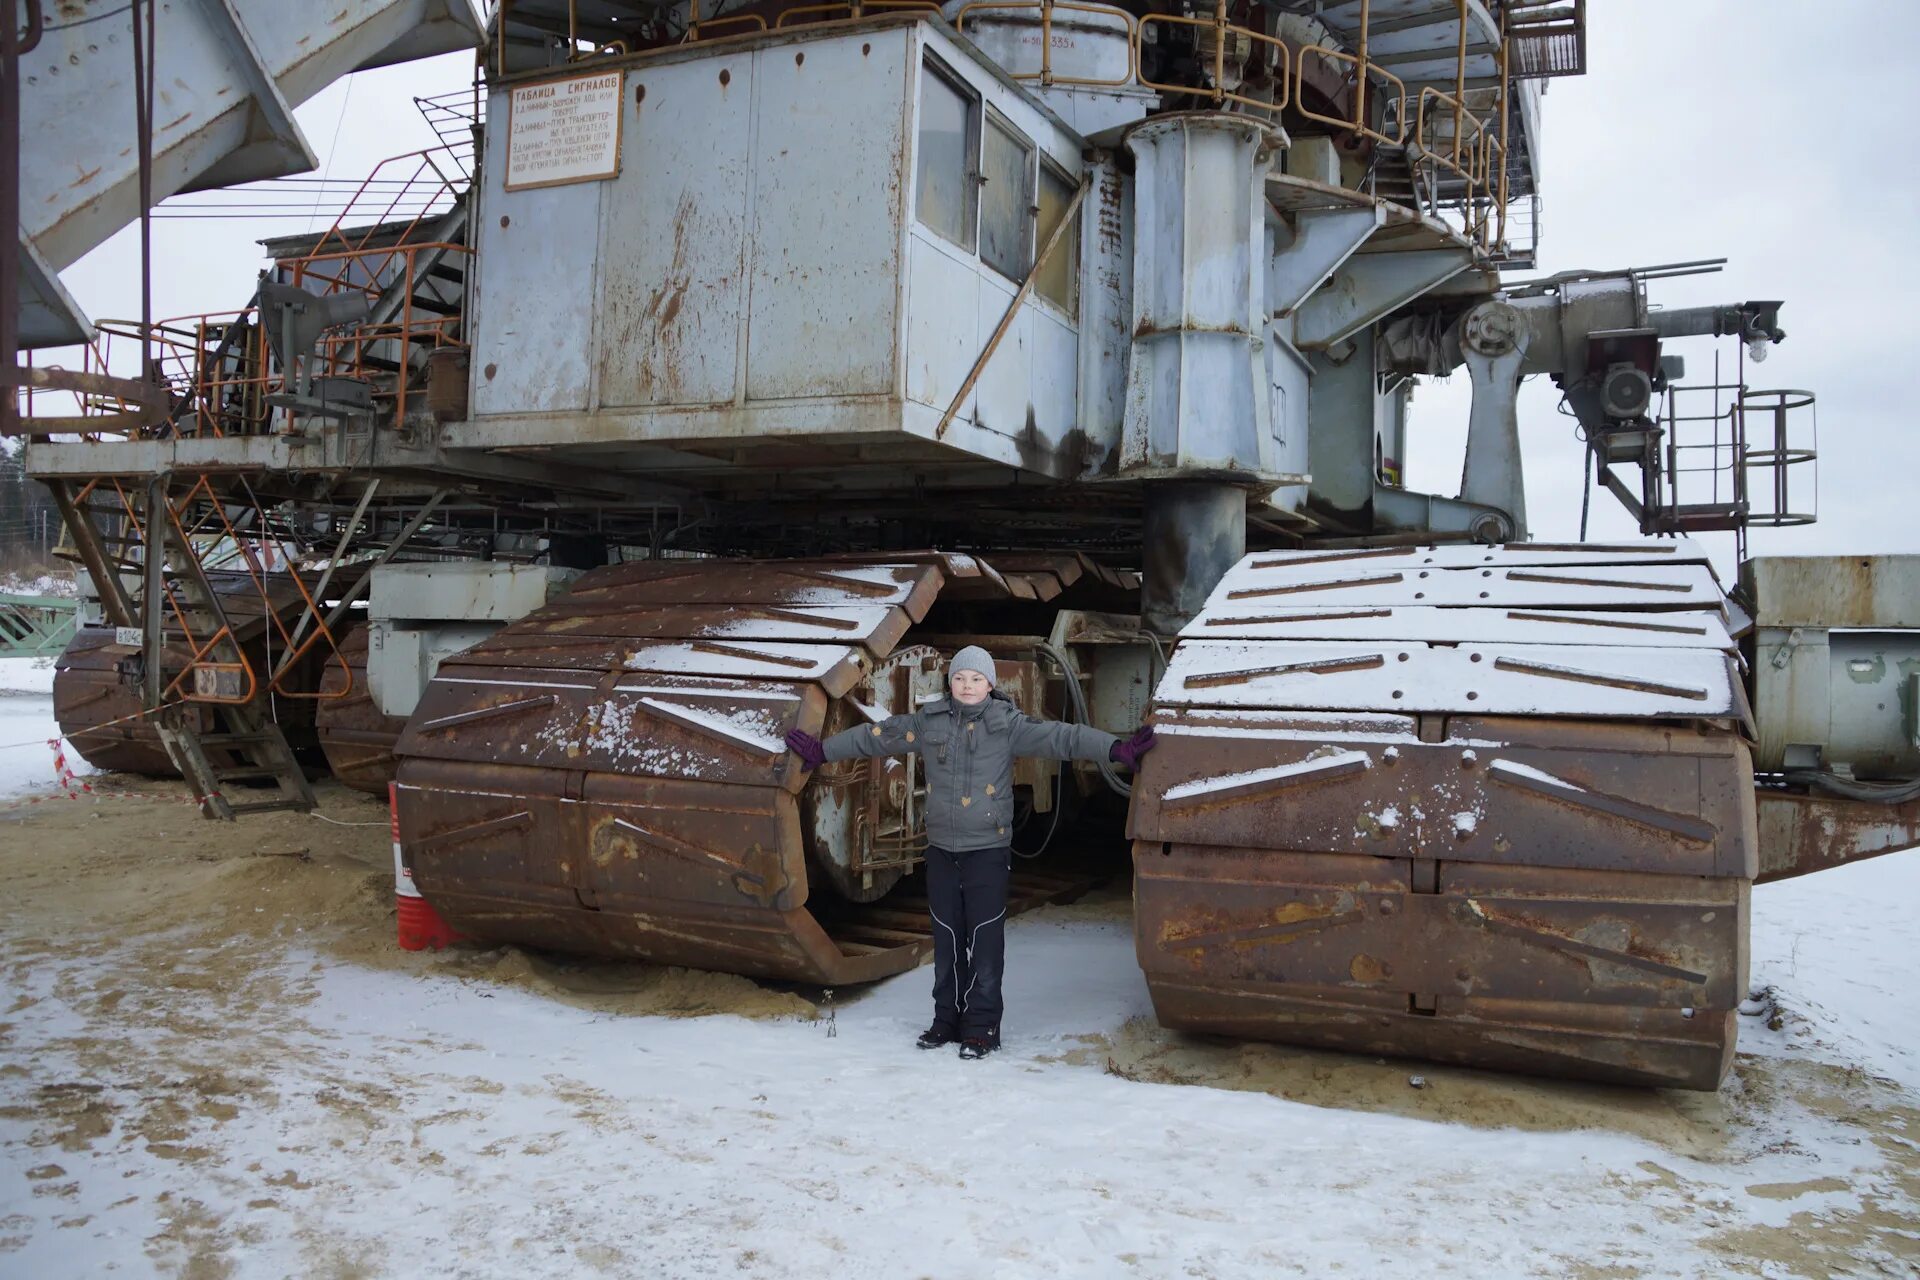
(1693, 629)
(1473, 556)
(1255, 582)
(689, 727)
(877, 627)
(1488, 679)
(609, 774)
(1484, 805)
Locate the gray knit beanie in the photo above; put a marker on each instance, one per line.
(973, 658)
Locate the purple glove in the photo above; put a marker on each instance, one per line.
(807, 747)
(1129, 752)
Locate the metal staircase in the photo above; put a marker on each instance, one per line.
(215, 715)
(245, 745)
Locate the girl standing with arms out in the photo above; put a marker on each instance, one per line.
(967, 743)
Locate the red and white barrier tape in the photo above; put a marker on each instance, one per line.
(63, 773)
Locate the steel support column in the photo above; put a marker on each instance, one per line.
(1193, 533)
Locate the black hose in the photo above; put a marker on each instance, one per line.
(1854, 789)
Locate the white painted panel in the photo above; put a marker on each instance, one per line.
(942, 324)
(1494, 679)
(672, 281)
(1002, 400)
(830, 149)
(535, 261)
(1055, 392)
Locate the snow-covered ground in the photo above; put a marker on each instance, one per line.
(212, 1064)
(38, 584)
(26, 723)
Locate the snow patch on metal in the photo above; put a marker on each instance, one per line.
(805, 622)
(1513, 769)
(763, 660)
(743, 727)
(1257, 779)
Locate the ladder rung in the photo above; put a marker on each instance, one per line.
(246, 775)
(266, 806)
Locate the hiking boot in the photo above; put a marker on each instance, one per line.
(935, 1036)
(978, 1046)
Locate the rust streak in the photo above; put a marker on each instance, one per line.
(1560, 942)
(681, 849)
(1579, 619)
(1330, 666)
(1521, 575)
(1345, 616)
(1692, 692)
(475, 831)
(488, 713)
(1286, 931)
(1334, 584)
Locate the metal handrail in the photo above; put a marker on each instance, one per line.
(1452, 158)
(855, 11)
(1362, 69)
(753, 22)
(346, 353)
(1221, 28)
(1047, 7)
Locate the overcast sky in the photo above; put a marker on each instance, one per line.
(1774, 133)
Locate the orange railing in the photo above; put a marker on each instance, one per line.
(809, 14)
(1272, 53)
(1441, 132)
(212, 527)
(1449, 135)
(365, 351)
(1046, 9)
(1363, 73)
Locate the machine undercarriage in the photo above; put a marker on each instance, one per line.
(757, 365)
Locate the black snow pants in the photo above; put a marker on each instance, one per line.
(967, 894)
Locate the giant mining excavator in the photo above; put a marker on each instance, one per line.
(731, 365)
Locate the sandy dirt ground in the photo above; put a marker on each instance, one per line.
(167, 939)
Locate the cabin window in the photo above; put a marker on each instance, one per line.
(1006, 201)
(944, 174)
(1059, 281)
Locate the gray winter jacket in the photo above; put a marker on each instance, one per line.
(968, 753)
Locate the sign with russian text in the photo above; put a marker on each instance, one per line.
(562, 131)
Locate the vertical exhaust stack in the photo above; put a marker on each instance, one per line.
(1198, 422)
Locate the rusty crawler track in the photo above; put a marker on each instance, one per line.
(356, 736)
(607, 775)
(1384, 826)
(96, 684)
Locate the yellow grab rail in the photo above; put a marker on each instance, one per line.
(1362, 70)
(1221, 29)
(1047, 7)
(854, 11)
